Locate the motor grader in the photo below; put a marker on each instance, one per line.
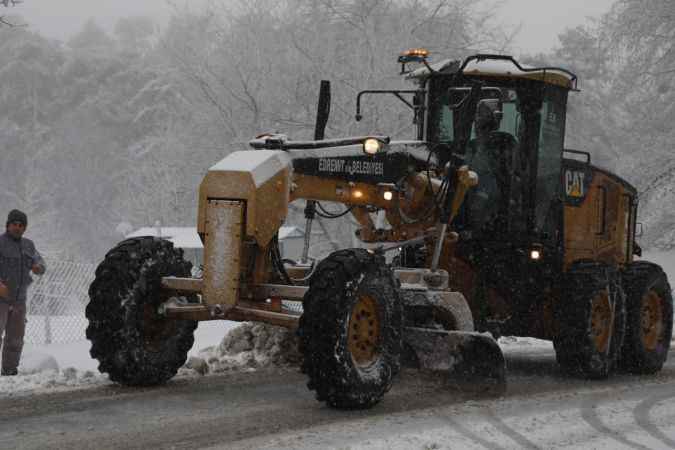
(493, 225)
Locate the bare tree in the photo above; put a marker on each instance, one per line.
(7, 4)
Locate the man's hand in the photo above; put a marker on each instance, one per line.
(38, 269)
(4, 290)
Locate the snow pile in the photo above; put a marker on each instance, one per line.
(249, 346)
(39, 372)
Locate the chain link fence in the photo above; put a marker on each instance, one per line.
(56, 303)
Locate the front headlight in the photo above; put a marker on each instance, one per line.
(371, 146)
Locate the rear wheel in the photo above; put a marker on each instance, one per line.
(350, 330)
(131, 341)
(591, 320)
(649, 318)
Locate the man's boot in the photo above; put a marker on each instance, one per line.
(9, 372)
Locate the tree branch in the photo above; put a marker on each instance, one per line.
(7, 4)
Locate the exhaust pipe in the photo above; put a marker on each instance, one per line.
(322, 113)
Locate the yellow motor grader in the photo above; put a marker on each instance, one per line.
(494, 228)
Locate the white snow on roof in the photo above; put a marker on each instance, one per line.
(440, 66)
(187, 237)
(505, 67)
(485, 67)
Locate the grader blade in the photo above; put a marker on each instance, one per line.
(470, 358)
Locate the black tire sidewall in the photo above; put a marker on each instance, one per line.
(324, 329)
(643, 278)
(128, 279)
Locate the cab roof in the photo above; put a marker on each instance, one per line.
(498, 66)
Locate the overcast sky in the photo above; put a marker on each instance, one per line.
(541, 20)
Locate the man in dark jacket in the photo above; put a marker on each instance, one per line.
(18, 257)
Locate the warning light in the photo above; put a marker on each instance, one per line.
(413, 55)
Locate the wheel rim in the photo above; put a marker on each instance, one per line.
(601, 321)
(364, 332)
(651, 320)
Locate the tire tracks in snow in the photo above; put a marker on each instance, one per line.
(514, 435)
(642, 415)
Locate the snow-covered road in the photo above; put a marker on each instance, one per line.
(541, 409)
(272, 408)
(61, 401)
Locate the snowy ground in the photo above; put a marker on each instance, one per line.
(59, 367)
(68, 366)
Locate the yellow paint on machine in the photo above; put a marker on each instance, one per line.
(259, 178)
(600, 227)
(222, 253)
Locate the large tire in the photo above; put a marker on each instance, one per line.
(649, 325)
(350, 330)
(132, 343)
(591, 318)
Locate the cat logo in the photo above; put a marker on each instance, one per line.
(574, 183)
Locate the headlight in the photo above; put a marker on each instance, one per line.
(371, 146)
(536, 252)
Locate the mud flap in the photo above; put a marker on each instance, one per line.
(471, 359)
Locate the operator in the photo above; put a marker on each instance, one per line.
(483, 158)
(18, 257)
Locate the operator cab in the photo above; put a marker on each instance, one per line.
(507, 123)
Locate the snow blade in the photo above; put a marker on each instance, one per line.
(471, 359)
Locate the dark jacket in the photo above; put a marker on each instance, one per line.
(16, 260)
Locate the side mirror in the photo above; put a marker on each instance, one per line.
(638, 230)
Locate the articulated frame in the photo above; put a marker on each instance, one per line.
(244, 199)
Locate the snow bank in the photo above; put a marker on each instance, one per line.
(248, 347)
(220, 346)
(55, 367)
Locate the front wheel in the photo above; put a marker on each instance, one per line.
(350, 330)
(132, 342)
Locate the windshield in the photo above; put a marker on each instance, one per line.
(512, 136)
(551, 141)
(446, 123)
